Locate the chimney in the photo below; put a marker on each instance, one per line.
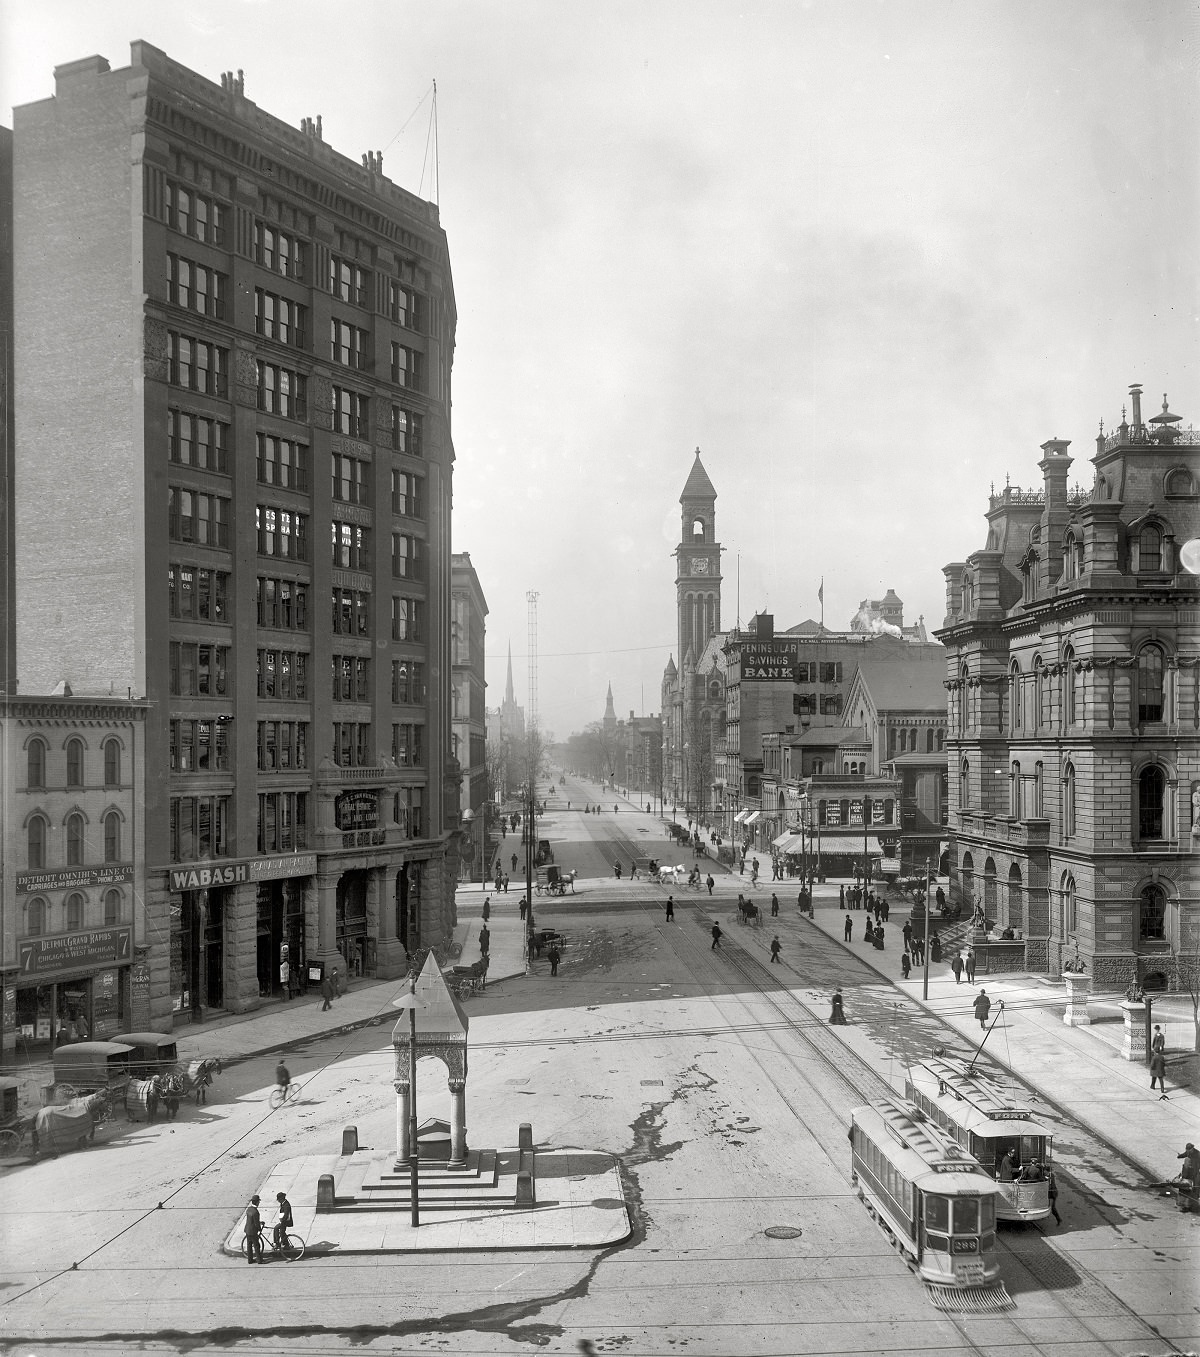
(1054, 466)
(1135, 396)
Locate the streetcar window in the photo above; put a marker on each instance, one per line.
(938, 1242)
(937, 1213)
(966, 1215)
(1032, 1147)
(987, 1210)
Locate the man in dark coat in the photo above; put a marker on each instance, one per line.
(983, 1007)
(775, 947)
(253, 1228)
(716, 937)
(326, 993)
(970, 965)
(1158, 1072)
(848, 930)
(957, 967)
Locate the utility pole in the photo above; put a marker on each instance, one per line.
(925, 947)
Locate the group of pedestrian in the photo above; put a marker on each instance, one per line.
(253, 1227)
(856, 898)
(963, 962)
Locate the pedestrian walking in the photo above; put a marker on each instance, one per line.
(1158, 1071)
(326, 994)
(935, 948)
(886, 908)
(1052, 1194)
(337, 984)
(554, 956)
(514, 862)
(918, 950)
(253, 1232)
(485, 939)
(285, 978)
(848, 929)
(505, 883)
(957, 967)
(716, 937)
(774, 905)
(877, 937)
(710, 883)
(524, 906)
(905, 965)
(868, 930)
(670, 909)
(487, 909)
(982, 1006)
(907, 931)
(970, 965)
(1158, 1042)
(776, 947)
(842, 895)
(837, 1012)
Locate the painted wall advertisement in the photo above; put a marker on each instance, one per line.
(74, 951)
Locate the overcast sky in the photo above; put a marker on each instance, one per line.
(866, 256)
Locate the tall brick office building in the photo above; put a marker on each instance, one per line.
(1073, 642)
(233, 475)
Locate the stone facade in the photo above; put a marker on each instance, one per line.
(1074, 713)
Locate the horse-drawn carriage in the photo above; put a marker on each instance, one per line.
(554, 881)
(749, 913)
(468, 980)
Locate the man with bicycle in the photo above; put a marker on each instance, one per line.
(282, 1078)
(283, 1221)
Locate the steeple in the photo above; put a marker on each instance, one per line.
(610, 715)
(508, 686)
(697, 565)
(698, 485)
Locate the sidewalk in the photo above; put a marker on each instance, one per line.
(278, 1024)
(1077, 1070)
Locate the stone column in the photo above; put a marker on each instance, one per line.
(327, 921)
(1133, 1044)
(391, 960)
(240, 962)
(458, 1122)
(1079, 988)
(402, 1110)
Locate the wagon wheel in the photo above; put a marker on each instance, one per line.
(465, 989)
(63, 1093)
(10, 1144)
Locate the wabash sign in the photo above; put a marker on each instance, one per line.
(774, 661)
(203, 878)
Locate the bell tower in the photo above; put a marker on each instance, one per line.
(697, 565)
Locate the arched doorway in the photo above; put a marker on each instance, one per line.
(351, 940)
(1016, 904)
(989, 890)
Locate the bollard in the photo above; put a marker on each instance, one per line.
(525, 1189)
(326, 1201)
(349, 1139)
(525, 1136)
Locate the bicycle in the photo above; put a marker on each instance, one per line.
(281, 1094)
(293, 1250)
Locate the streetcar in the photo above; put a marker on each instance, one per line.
(932, 1199)
(991, 1122)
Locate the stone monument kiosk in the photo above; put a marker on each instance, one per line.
(441, 1032)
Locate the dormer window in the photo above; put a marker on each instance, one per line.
(1072, 557)
(1149, 550)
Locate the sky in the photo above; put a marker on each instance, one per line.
(866, 256)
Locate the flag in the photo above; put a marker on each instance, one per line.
(821, 591)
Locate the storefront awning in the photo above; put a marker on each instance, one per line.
(790, 843)
(847, 841)
(753, 816)
(782, 839)
(740, 817)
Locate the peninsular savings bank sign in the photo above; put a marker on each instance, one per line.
(209, 875)
(772, 660)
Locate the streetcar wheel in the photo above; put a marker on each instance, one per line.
(10, 1143)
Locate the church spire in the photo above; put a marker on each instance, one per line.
(610, 715)
(508, 686)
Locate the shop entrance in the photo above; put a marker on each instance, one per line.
(352, 921)
(197, 952)
(408, 906)
(280, 911)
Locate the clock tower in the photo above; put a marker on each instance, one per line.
(697, 565)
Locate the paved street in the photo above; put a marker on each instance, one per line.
(712, 1075)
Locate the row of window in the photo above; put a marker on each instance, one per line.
(35, 763)
(199, 827)
(37, 837)
(197, 594)
(200, 745)
(282, 822)
(901, 741)
(39, 913)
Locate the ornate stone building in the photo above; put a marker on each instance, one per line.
(1073, 641)
(233, 491)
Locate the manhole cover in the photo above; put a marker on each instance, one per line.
(783, 1232)
(651, 1083)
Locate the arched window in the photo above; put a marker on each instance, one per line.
(1069, 801)
(964, 785)
(74, 911)
(1072, 689)
(112, 906)
(35, 836)
(112, 837)
(912, 740)
(968, 595)
(903, 741)
(1150, 683)
(968, 881)
(1072, 557)
(75, 840)
(1069, 905)
(929, 741)
(1150, 549)
(989, 888)
(35, 917)
(1014, 697)
(1016, 908)
(112, 763)
(941, 739)
(1178, 482)
(1152, 913)
(35, 775)
(1152, 786)
(963, 699)
(74, 763)
(1014, 791)
(697, 530)
(1040, 717)
(1035, 811)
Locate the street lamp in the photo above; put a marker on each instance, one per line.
(410, 1002)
